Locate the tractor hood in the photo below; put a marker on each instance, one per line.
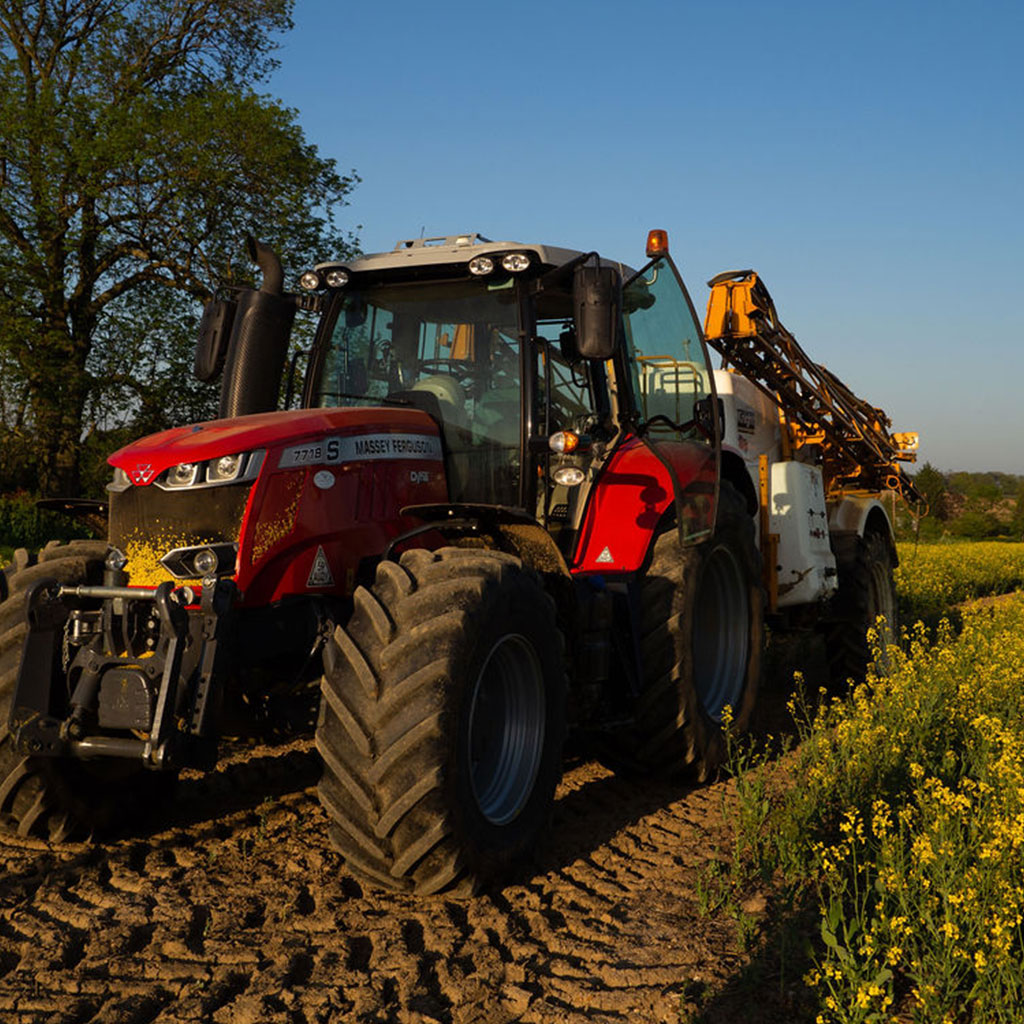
(144, 460)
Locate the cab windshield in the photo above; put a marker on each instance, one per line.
(451, 348)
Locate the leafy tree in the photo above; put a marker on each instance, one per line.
(989, 486)
(134, 155)
(976, 525)
(932, 484)
(1017, 522)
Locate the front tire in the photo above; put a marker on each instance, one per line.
(442, 720)
(701, 625)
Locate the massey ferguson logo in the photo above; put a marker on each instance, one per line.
(142, 473)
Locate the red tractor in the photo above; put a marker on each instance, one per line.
(500, 515)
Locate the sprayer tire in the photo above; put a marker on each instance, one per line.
(867, 590)
(441, 721)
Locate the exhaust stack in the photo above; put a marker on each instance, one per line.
(266, 259)
(259, 340)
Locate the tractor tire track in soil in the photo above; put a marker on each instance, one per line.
(233, 909)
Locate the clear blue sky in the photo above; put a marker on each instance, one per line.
(866, 158)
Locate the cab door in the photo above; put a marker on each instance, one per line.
(674, 390)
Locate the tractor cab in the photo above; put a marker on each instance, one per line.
(535, 362)
(450, 348)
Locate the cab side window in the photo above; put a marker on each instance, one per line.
(573, 399)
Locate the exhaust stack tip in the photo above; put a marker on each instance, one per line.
(268, 262)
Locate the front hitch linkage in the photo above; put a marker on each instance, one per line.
(36, 721)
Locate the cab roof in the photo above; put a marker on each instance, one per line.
(425, 252)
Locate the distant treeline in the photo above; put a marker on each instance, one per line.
(970, 505)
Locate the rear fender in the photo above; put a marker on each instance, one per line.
(851, 518)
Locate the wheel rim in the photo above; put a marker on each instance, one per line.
(506, 729)
(721, 634)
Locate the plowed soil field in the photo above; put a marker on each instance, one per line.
(229, 906)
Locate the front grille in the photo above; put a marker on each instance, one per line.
(147, 522)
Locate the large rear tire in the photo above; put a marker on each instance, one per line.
(866, 592)
(701, 626)
(442, 720)
(57, 799)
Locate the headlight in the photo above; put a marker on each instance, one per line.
(310, 281)
(183, 475)
(569, 476)
(205, 562)
(202, 561)
(116, 559)
(337, 278)
(224, 469)
(121, 481)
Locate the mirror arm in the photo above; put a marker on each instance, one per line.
(559, 274)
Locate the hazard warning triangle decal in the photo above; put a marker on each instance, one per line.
(605, 556)
(320, 575)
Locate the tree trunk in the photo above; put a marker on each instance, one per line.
(58, 388)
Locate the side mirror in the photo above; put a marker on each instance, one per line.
(214, 335)
(597, 303)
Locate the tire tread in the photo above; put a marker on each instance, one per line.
(385, 727)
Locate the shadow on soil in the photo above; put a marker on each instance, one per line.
(238, 785)
(769, 989)
(20, 885)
